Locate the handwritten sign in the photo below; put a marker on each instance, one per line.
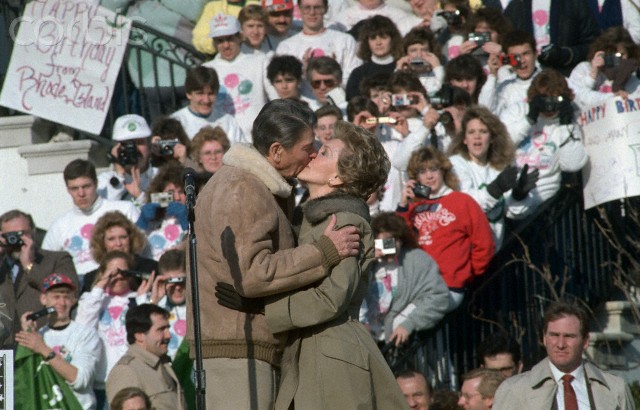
(612, 139)
(65, 62)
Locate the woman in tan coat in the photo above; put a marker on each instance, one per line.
(330, 360)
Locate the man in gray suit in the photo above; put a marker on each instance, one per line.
(564, 380)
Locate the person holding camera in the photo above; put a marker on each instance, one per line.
(164, 217)
(131, 157)
(23, 267)
(168, 291)
(422, 58)
(104, 308)
(450, 226)
(482, 155)
(547, 137)
(406, 291)
(610, 70)
(509, 84)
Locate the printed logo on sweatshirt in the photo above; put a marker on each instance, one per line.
(429, 220)
(235, 93)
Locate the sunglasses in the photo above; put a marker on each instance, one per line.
(329, 83)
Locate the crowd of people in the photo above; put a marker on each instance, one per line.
(356, 165)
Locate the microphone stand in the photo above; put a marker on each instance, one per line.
(200, 378)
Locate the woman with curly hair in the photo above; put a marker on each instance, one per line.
(208, 147)
(330, 361)
(449, 225)
(115, 232)
(482, 155)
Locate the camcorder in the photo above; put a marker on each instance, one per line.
(165, 147)
(401, 100)
(13, 239)
(128, 154)
(380, 120)
(551, 104)
(162, 198)
(177, 279)
(612, 59)
(480, 38)
(453, 18)
(387, 246)
(513, 60)
(421, 191)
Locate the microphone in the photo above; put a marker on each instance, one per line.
(189, 176)
(42, 312)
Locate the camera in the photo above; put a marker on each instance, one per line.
(480, 38)
(612, 60)
(128, 153)
(135, 274)
(421, 191)
(380, 120)
(177, 279)
(162, 198)
(165, 147)
(513, 60)
(387, 246)
(453, 18)
(551, 104)
(420, 65)
(400, 100)
(443, 98)
(13, 239)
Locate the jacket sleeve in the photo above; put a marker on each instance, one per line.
(515, 115)
(412, 142)
(85, 358)
(468, 185)
(584, 86)
(248, 245)
(431, 292)
(572, 155)
(201, 40)
(318, 304)
(121, 376)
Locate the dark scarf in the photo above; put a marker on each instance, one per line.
(319, 209)
(610, 15)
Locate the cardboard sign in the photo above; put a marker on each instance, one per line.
(65, 61)
(612, 140)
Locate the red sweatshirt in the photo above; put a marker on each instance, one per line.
(454, 230)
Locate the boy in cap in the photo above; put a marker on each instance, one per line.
(132, 171)
(242, 76)
(71, 349)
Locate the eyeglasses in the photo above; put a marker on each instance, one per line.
(467, 396)
(211, 153)
(309, 9)
(330, 83)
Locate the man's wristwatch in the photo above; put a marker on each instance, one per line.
(50, 356)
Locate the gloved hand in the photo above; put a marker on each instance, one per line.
(231, 299)
(503, 182)
(535, 107)
(565, 113)
(148, 213)
(179, 210)
(555, 56)
(526, 182)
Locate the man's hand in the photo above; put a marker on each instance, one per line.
(33, 341)
(133, 185)
(27, 251)
(231, 299)
(346, 239)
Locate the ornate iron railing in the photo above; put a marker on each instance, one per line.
(559, 252)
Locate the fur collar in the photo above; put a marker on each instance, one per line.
(317, 210)
(246, 157)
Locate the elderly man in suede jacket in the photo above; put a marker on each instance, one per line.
(245, 238)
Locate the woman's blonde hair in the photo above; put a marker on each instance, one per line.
(363, 165)
(137, 240)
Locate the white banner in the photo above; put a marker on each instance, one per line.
(612, 139)
(65, 61)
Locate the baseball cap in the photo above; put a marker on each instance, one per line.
(277, 5)
(223, 25)
(57, 279)
(130, 127)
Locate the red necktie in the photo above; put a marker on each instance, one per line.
(570, 399)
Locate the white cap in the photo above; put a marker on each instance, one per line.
(130, 127)
(223, 25)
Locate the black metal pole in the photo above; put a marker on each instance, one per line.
(200, 378)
